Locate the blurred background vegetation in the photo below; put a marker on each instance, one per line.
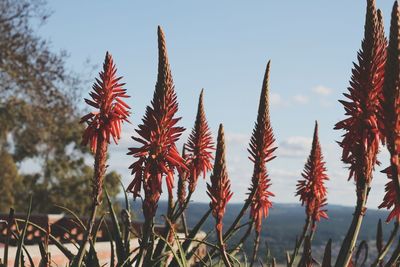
(40, 134)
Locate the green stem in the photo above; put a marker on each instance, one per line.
(97, 183)
(299, 243)
(239, 217)
(387, 246)
(147, 228)
(182, 208)
(223, 254)
(232, 227)
(192, 234)
(173, 217)
(313, 230)
(395, 256)
(184, 224)
(350, 240)
(255, 248)
(242, 239)
(82, 249)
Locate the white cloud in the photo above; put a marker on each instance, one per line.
(276, 99)
(237, 138)
(300, 99)
(322, 90)
(294, 147)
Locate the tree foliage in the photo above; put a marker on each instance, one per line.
(39, 118)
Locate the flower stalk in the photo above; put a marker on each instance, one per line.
(360, 142)
(219, 192)
(312, 192)
(102, 126)
(157, 156)
(261, 151)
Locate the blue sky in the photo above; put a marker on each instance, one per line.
(223, 47)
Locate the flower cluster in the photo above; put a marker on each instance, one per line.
(261, 151)
(362, 133)
(112, 110)
(363, 129)
(219, 190)
(311, 189)
(199, 147)
(157, 156)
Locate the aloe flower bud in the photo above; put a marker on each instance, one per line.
(219, 190)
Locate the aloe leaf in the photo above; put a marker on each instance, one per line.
(326, 262)
(57, 243)
(44, 255)
(91, 259)
(9, 223)
(363, 246)
(18, 256)
(379, 237)
(68, 232)
(112, 259)
(96, 230)
(127, 205)
(180, 261)
(76, 217)
(195, 230)
(116, 231)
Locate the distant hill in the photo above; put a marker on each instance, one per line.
(285, 222)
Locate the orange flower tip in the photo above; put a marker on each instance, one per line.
(111, 111)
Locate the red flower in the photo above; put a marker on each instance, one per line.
(112, 111)
(200, 145)
(220, 188)
(362, 133)
(391, 116)
(311, 189)
(391, 197)
(157, 156)
(261, 151)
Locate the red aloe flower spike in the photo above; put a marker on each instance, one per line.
(106, 122)
(391, 116)
(220, 190)
(112, 110)
(311, 189)
(157, 157)
(360, 142)
(101, 125)
(261, 151)
(200, 145)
